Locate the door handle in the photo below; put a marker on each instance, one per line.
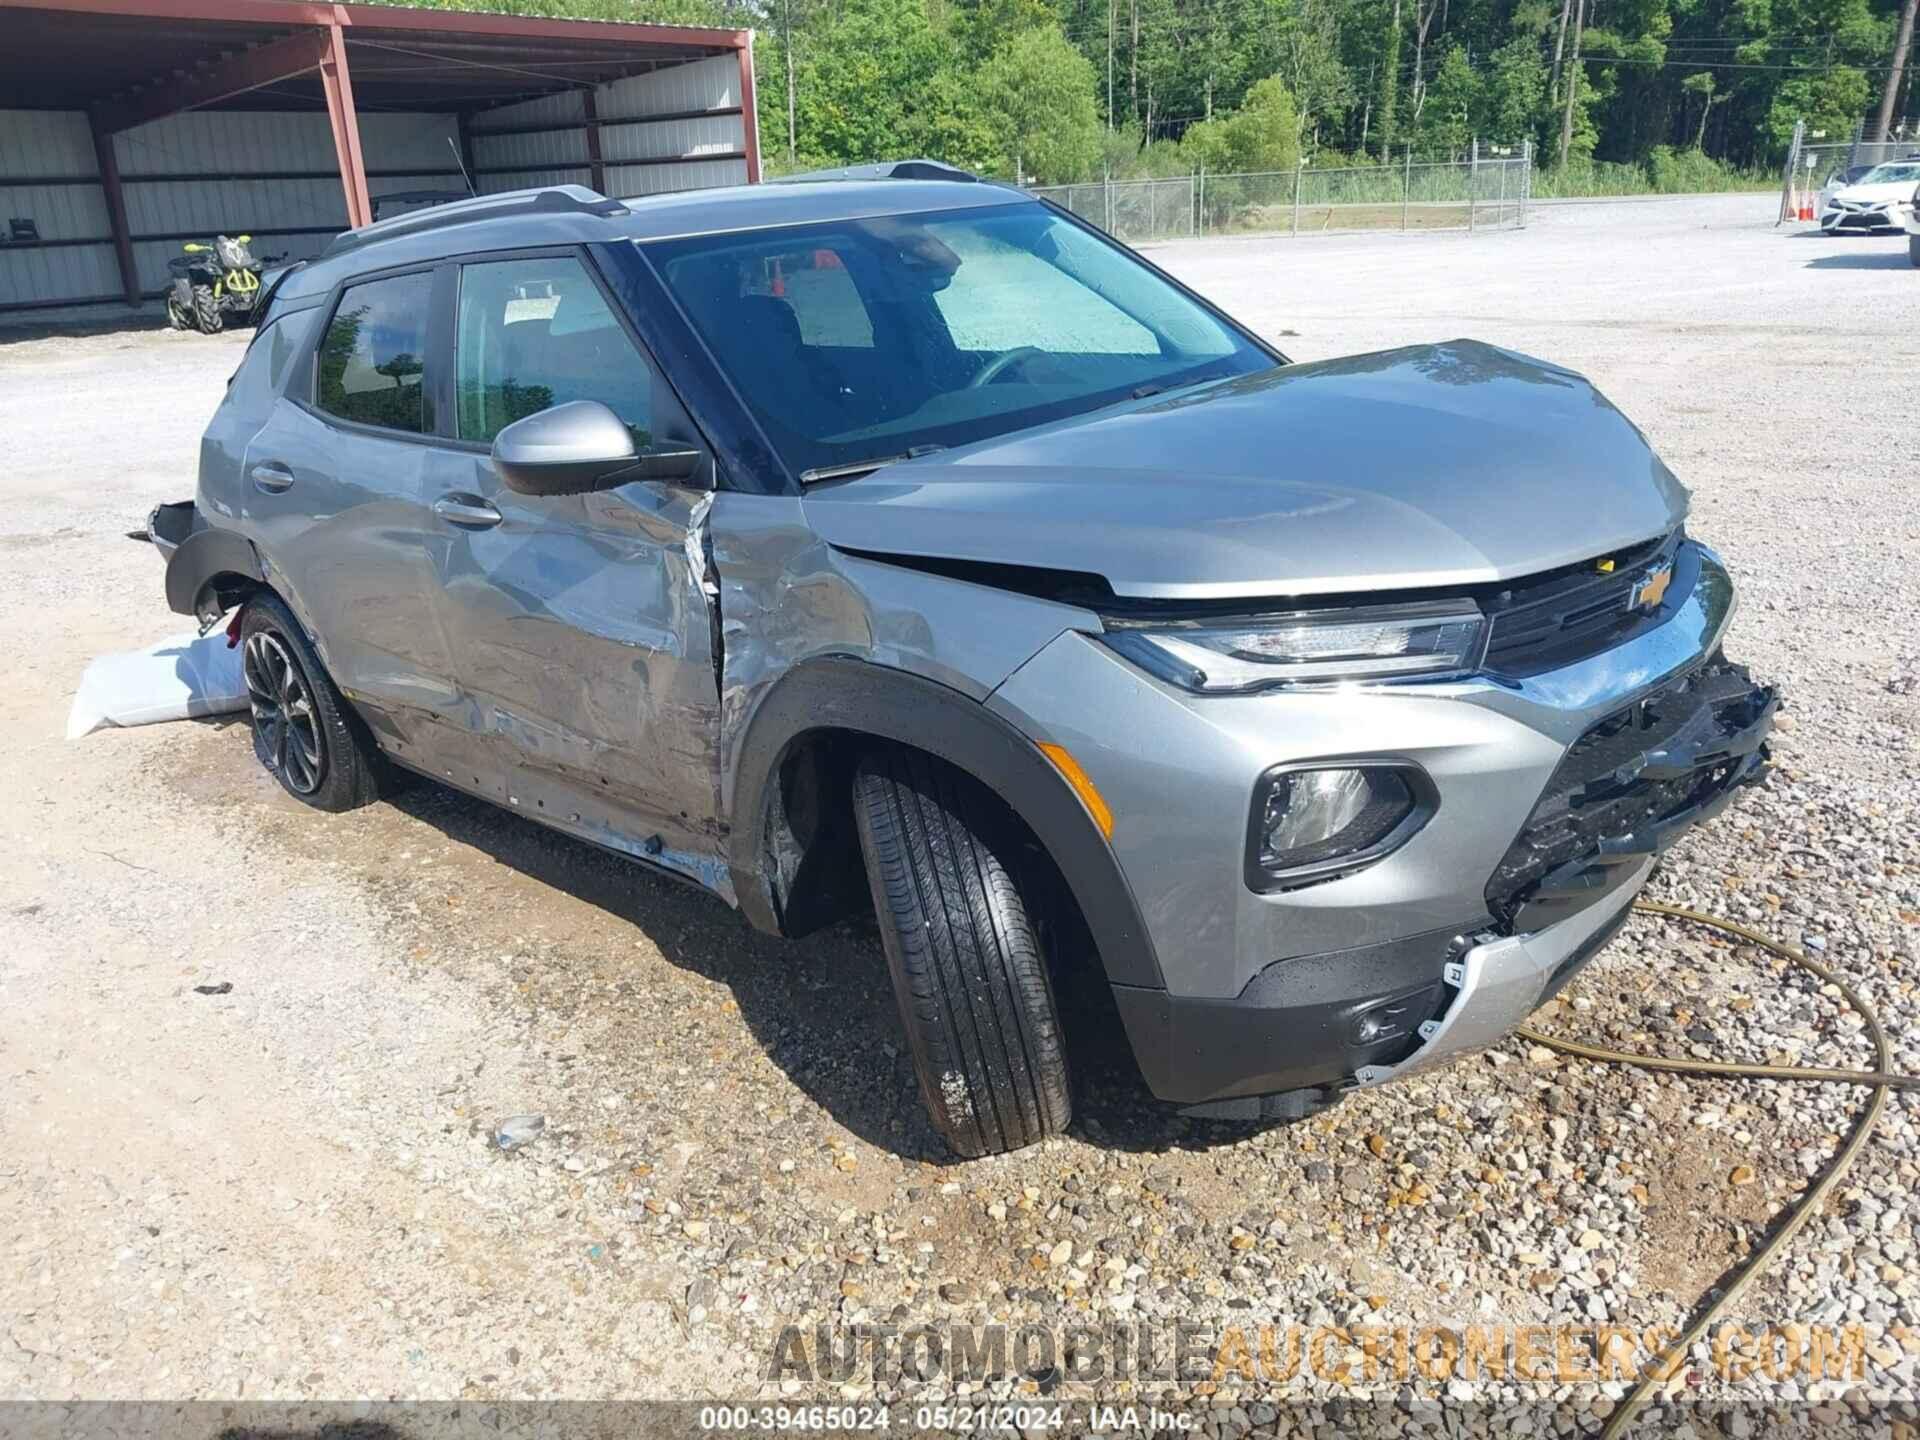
(272, 477)
(468, 510)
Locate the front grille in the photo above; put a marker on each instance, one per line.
(1629, 786)
(1568, 614)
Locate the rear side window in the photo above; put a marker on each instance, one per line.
(374, 354)
(536, 333)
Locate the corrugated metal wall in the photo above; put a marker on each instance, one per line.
(284, 188)
(274, 175)
(59, 146)
(691, 152)
(270, 175)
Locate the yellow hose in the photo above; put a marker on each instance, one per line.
(1881, 1079)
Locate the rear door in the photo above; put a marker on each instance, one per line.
(333, 484)
(581, 627)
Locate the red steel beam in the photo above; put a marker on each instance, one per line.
(222, 80)
(117, 213)
(749, 112)
(337, 80)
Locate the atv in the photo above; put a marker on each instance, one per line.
(213, 281)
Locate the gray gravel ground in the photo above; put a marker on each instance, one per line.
(288, 1191)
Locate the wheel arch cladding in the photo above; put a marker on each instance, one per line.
(212, 567)
(821, 711)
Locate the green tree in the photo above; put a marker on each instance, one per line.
(879, 81)
(981, 28)
(1514, 99)
(1265, 130)
(1450, 115)
(1263, 134)
(1037, 96)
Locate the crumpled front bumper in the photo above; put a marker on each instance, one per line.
(1501, 979)
(1557, 792)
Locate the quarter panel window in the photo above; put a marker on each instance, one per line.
(535, 333)
(373, 355)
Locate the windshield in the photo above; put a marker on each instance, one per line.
(858, 341)
(1892, 175)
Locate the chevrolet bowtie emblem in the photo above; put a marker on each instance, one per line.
(1648, 594)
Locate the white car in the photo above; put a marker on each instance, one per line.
(1912, 221)
(1836, 182)
(1882, 199)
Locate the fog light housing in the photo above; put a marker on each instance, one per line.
(1319, 821)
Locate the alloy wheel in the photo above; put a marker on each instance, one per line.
(285, 720)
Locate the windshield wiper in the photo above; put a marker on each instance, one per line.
(865, 467)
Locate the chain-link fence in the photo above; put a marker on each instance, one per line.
(1484, 192)
(1812, 164)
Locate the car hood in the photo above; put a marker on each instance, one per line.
(1433, 465)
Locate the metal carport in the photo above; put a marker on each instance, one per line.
(129, 126)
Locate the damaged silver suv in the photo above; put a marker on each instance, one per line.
(896, 538)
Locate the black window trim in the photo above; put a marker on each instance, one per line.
(304, 378)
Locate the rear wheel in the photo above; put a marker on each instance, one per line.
(206, 311)
(964, 949)
(1913, 250)
(303, 730)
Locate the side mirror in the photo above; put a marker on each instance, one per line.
(582, 446)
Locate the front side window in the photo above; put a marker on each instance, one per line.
(534, 333)
(857, 340)
(374, 353)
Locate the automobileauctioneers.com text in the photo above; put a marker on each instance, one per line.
(1341, 1356)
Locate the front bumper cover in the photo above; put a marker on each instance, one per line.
(1628, 788)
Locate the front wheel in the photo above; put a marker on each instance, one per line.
(1913, 250)
(968, 968)
(304, 733)
(207, 318)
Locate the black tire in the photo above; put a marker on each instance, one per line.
(178, 319)
(1913, 250)
(968, 967)
(207, 318)
(304, 732)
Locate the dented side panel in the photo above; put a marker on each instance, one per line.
(582, 631)
(786, 596)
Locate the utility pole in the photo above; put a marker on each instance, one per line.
(787, 45)
(1109, 65)
(1902, 43)
(1389, 86)
(1133, 66)
(1573, 79)
(1559, 47)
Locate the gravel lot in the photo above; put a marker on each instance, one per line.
(287, 1191)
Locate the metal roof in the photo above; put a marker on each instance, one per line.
(78, 54)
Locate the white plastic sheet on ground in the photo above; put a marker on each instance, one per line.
(174, 680)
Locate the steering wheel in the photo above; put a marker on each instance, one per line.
(1001, 363)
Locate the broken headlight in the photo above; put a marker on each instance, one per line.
(1426, 642)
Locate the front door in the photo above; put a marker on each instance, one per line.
(580, 624)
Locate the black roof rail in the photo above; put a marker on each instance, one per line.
(548, 200)
(884, 170)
